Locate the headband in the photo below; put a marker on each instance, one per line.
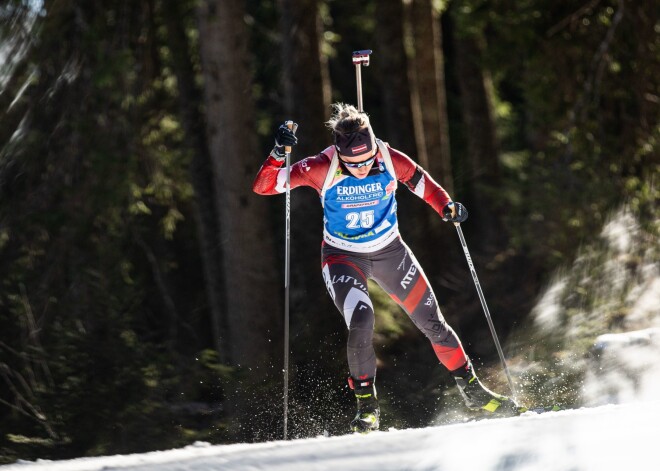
(355, 143)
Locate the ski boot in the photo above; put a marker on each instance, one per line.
(478, 397)
(367, 418)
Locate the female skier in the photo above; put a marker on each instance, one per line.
(356, 179)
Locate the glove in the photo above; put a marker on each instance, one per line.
(454, 212)
(284, 137)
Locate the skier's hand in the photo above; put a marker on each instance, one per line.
(454, 212)
(284, 137)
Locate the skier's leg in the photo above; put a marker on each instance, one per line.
(406, 284)
(397, 271)
(346, 280)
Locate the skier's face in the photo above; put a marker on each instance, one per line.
(359, 165)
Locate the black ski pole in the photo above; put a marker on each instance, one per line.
(287, 275)
(485, 307)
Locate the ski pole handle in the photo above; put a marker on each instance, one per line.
(293, 126)
(454, 213)
(360, 58)
(452, 206)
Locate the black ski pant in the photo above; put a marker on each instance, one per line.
(396, 270)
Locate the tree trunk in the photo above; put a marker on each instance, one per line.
(482, 169)
(306, 87)
(305, 77)
(427, 98)
(430, 100)
(477, 177)
(251, 295)
(392, 66)
(201, 175)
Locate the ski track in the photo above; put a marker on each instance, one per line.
(613, 437)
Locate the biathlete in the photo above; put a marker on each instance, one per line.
(356, 179)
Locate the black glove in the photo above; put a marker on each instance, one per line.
(454, 212)
(284, 137)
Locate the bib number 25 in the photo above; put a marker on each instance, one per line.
(362, 219)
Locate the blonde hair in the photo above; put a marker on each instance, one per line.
(346, 119)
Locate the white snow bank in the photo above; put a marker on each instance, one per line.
(612, 437)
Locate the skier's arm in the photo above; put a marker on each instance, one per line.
(271, 178)
(266, 181)
(419, 181)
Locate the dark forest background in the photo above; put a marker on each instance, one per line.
(141, 297)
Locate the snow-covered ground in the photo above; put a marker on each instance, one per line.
(613, 437)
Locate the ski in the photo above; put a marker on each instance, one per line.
(540, 409)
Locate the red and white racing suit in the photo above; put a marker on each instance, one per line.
(361, 242)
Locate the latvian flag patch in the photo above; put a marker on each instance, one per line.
(359, 149)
